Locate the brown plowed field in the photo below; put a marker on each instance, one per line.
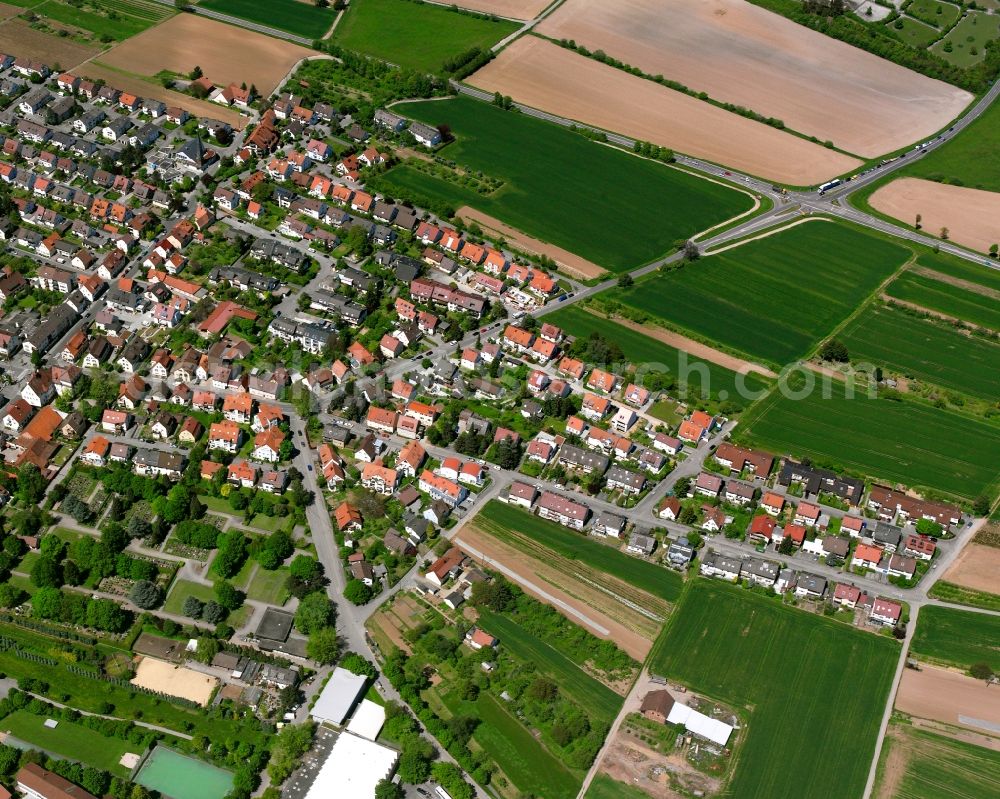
(972, 216)
(741, 53)
(515, 9)
(944, 695)
(978, 568)
(546, 76)
(19, 38)
(226, 54)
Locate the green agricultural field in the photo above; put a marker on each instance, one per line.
(934, 12)
(808, 686)
(960, 595)
(415, 35)
(957, 637)
(925, 349)
(967, 160)
(935, 295)
(603, 787)
(303, 19)
(775, 298)
(532, 768)
(968, 39)
(894, 440)
(931, 766)
(640, 350)
(656, 580)
(593, 696)
(605, 205)
(914, 33)
(118, 19)
(69, 740)
(971, 275)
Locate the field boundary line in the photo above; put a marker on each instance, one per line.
(766, 233)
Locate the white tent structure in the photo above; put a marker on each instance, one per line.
(700, 724)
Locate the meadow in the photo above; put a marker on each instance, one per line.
(642, 350)
(532, 768)
(656, 580)
(931, 766)
(603, 787)
(605, 205)
(935, 295)
(590, 694)
(926, 349)
(773, 298)
(967, 160)
(889, 439)
(69, 740)
(415, 35)
(970, 34)
(934, 12)
(809, 686)
(915, 34)
(303, 19)
(957, 637)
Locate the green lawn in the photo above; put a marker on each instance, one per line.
(605, 205)
(593, 696)
(934, 12)
(269, 586)
(935, 295)
(773, 298)
(937, 766)
(532, 768)
(703, 378)
(957, 637)
(303, 19)
(895, 440)
(603, 787)
(415, 35)
(649, 577)
(69, 740)
(971, 33)
(925, 349)
(809, 686)
(914, 33)
(181, 590)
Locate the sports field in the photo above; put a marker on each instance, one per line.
(303, 19)
(579, 686)
(605, 205)
(809, 686)
(661, 582)
(926, 349)
(643, 351)
(979, 308)
(415, 35)
(898, 440)
(918, 764)
(174, 774)
(957, 637)
(69, 740)
(776, 297)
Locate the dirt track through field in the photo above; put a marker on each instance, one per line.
(951, 280)
(567, 261)
(692, 347)
(743, 54)
(226, 54)
(544, 75)
(972, 216)
(978, 568)
(523, 565)
(945, 696)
